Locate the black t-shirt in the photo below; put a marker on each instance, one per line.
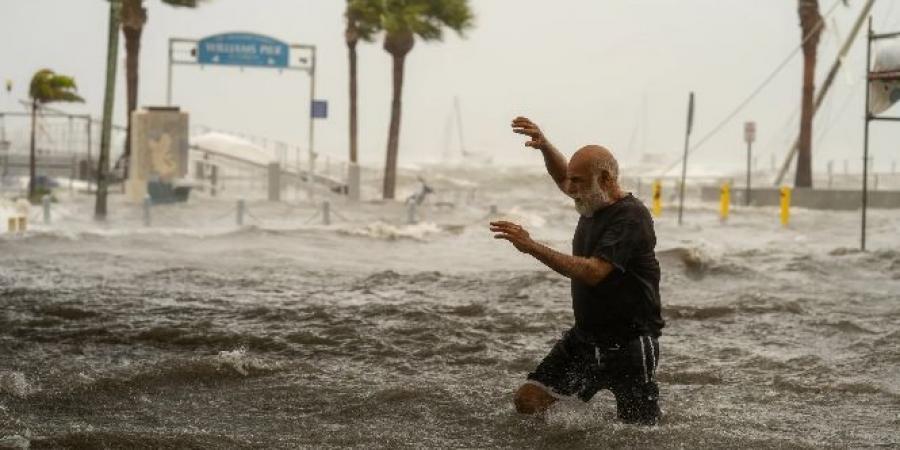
(626, 303)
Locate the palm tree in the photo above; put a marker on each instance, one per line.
(363, 22)
(402, 21)
(46, 87)
(811, 26)
(133, 19)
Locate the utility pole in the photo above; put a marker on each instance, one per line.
(829, 80)
(112, 52)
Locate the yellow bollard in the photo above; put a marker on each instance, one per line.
(657, 198)
(22, 224)
(785, 205)
(725, 201)
(11, 225)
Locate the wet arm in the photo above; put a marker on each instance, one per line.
(590, 271)
(556, 164)
(554, 160)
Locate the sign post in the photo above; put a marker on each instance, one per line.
(318, 109)
(251, 50)
(878, 76)
(749, 137)
(687, 141)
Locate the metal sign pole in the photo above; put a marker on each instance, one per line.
(312, 97)
(169, 77)
(687, 140)
(249, 50)
(749, 152)
(862, 244)
(749, 136)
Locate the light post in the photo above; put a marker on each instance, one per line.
(749, 137)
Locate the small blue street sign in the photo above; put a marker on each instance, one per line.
(319, 109)
(243, 49)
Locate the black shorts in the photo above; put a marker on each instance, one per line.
(579, 367)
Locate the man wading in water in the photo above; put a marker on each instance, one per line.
(615, 289)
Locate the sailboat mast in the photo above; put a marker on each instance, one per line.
(645, 125)
(448, 129)
(459, 126)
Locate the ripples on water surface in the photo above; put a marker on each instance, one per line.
(315, 338)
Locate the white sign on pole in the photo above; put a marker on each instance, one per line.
(884, 90)
(750, 132)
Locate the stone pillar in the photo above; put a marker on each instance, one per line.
(274, 182)
(159, 148)
(241, 207)
(213, 180)
(353, 182)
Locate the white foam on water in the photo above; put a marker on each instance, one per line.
(573, 414)
(239, 361)
(15, 384)
(384, 230)
(16, 441)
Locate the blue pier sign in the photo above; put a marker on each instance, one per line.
(319, 109)
(243, 49)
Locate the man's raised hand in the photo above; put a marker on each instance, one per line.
(522, 125)
(513, 233)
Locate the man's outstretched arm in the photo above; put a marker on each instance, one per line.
(555, 162)
(590, 271)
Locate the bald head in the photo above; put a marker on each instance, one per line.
(593, 179)
(595, 161)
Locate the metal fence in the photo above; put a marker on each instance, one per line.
(66, 145)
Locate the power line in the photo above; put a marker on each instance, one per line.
(837, 116)
(887, 15)
(756, 91)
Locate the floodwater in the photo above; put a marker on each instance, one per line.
(195, 333)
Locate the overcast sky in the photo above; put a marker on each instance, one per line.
(613, 72)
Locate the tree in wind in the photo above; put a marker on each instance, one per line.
(133, 19)
(46, 87)
(811, 24)
(403, 21)
(363, 22)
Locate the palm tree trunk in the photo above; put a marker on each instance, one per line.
(351, 51)
(134, 16)
(393, 144)
(31, 160)
(809, 23)
(132, 52)
(803, 177)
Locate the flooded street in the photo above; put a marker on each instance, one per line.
(372, 333)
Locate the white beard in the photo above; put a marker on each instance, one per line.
(589, 203)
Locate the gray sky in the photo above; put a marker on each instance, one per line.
(584, 69)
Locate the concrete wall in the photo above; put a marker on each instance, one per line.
(809, 198)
